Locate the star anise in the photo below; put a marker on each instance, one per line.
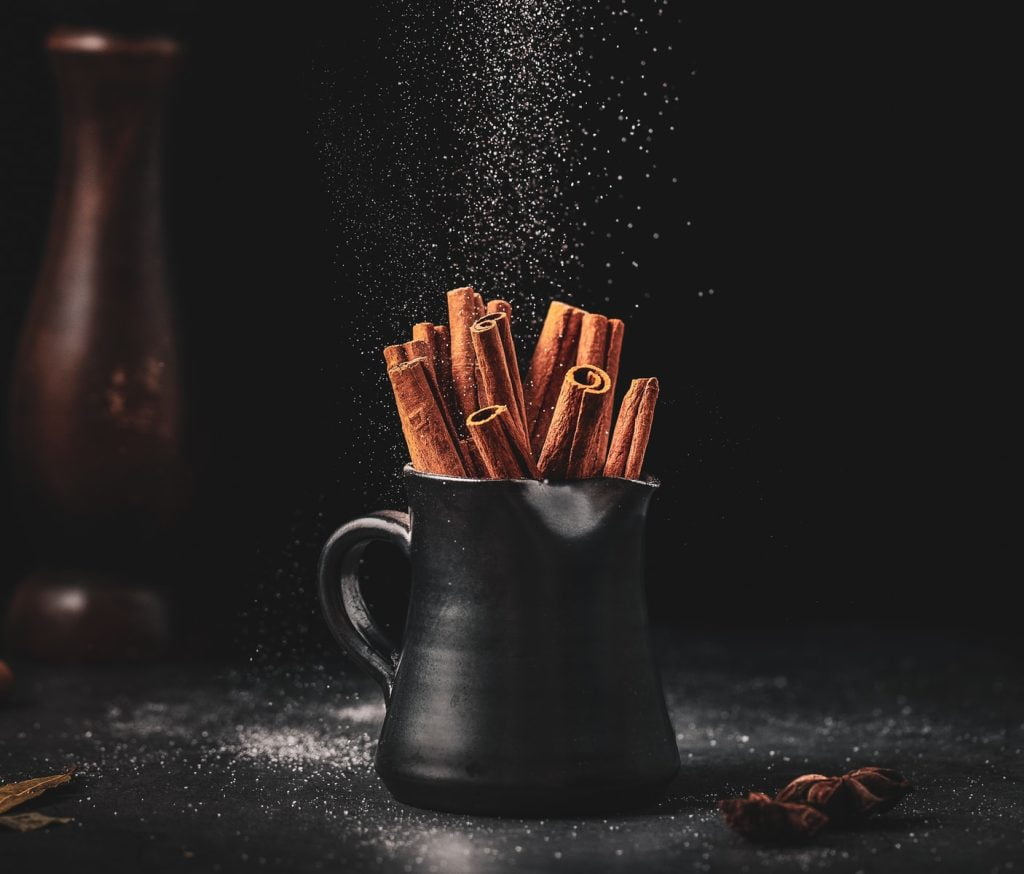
(758, 818)
(886, 785)
(850, 798)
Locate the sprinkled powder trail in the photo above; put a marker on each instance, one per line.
(296, 746)
(307, 732)
(457, 169)
(472, 142)
(516, 227)
(476, 147)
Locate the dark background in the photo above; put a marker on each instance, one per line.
(810, 437)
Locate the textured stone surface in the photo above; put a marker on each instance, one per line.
(211, 769)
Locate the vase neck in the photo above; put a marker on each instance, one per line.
(113, 93)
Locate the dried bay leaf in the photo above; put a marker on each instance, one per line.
(14, 794)
(29, 822)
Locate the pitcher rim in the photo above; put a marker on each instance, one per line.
(651, 482)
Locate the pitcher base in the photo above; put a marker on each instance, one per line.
(533, 801)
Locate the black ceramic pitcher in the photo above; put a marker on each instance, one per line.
(525, 684)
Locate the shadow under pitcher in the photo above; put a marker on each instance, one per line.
(526, 683)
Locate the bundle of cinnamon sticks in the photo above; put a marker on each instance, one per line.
(467, 412)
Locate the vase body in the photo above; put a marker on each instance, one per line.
(97, 412)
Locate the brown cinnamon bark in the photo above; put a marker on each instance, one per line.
(436, 338)
(632, 430)
(569, 450)
(498, 380)
(406, 352)
(501, 443)
(554, 355)
(443, 347)
(601, 346)
(601, 343)
(478, 304)
(471, 458)
(500, 306)
(616, 332)
(429, 431)
(461, 315)
(593, 345)
(425, 331)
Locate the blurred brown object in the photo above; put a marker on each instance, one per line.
(6, 681)
(64, 616)
(97, 413)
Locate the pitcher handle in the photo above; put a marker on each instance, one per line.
(342, 601)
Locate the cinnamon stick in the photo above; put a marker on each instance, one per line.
(429, 432)
(436, 338)
(593, 345)
(501, 443)
(465, 410)
(601, 346)
(443, 347)
(471, 457)
(498, 380)
(554, 355)
(461, 315)
(425, 331)
(632, 430)
(570, 448)
(499, 306)
(406, 352)
(601, 343)
(613, 357)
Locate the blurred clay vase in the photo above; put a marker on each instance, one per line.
(64, 618)
(96, 423)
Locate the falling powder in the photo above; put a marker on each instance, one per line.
(459, 170)
(507, 144)
(516, 228)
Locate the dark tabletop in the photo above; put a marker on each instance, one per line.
(198, 768)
